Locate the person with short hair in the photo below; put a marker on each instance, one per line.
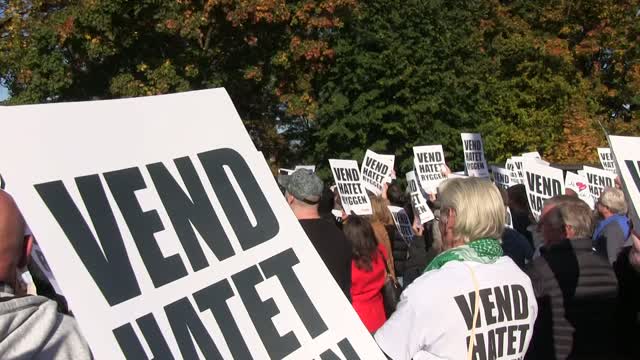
(614, 229)
(470, 279)
(303, 190)
(368, 272)
(30, 326)
(576, 289)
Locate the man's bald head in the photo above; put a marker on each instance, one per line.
(12, 240)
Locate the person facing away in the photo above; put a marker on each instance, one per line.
(576, 289)
(368, 272)
(303, 190)
(471, 300)
(30, 326)
(514, 244)
(382, 223)
(614, 229)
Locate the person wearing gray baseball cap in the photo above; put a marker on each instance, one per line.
(303, 190)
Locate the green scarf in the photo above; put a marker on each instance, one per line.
(484, 251)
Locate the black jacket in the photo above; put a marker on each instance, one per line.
(577, 293)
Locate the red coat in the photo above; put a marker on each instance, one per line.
(365, 291)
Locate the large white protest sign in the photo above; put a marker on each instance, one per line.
(474, 160)
(349, 182)
(428, 162)
(606, 159)
(542, 182)
(501, 177)
(627, 157)
(168, 235)
(580, 186)
(418, 200)
(376, 171)
(403, 223)
(598, 180)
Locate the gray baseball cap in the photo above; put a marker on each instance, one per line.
(303, 184)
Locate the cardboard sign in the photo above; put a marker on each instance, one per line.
(474, 160)
(580, 186)
(598, 179)
(403, 223)
(170, 238)
(542, 182)
(428, 162)
(517, 172)
(607, 160)
(501, 177)
(349, 182)
(308, 167)
(627, 158)
(420, 206)
(376, 171)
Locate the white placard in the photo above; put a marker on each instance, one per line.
(403, 223)
(308, 167)
(418, 200)
(283, 171)
(598, 179)
(580, 186)
(376, 171)
(542, 182)
(501, 177)
(349, 182)
(170, 238)
(428, 162)
(607, 160)
(532, 154)
(627, 157)
(517, 173)
(474, 160)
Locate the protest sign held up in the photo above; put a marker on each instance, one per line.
(598, 179)
(418, 201)
(474, 160)
(428, 163)
(580, 186)
(517, 174)
(625, 152)
(403, 223)
(171, 249)
(541, 182)
(501, 177)
(376, 171)
(606, 159)
(349, 182)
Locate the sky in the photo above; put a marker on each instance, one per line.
(3, 93)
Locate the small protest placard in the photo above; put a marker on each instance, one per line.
(349, 182)
(474, 160)
(283, 171)
(607, 160)
(627, 157)
(403, 223)
(170, 239)
(376, 171)
(308, 167)
(501, 177)
(598, 179)
(532, 154)
(517, 173)
(418, 200)
(580, 186)
(541, 182)
(428, 162)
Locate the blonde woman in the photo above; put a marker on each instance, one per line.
(380, 219)
(471, 301)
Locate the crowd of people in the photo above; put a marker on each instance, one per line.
(564, 286)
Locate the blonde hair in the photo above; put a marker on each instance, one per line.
(380, 210)
(478, 207)
(613, 199)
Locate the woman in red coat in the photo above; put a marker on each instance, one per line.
(368, 272)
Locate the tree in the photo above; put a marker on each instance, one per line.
(266, 53)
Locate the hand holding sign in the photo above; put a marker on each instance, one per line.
(428, 163)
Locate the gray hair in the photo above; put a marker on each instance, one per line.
(613, 199)
(570, 211)
(478, 205)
